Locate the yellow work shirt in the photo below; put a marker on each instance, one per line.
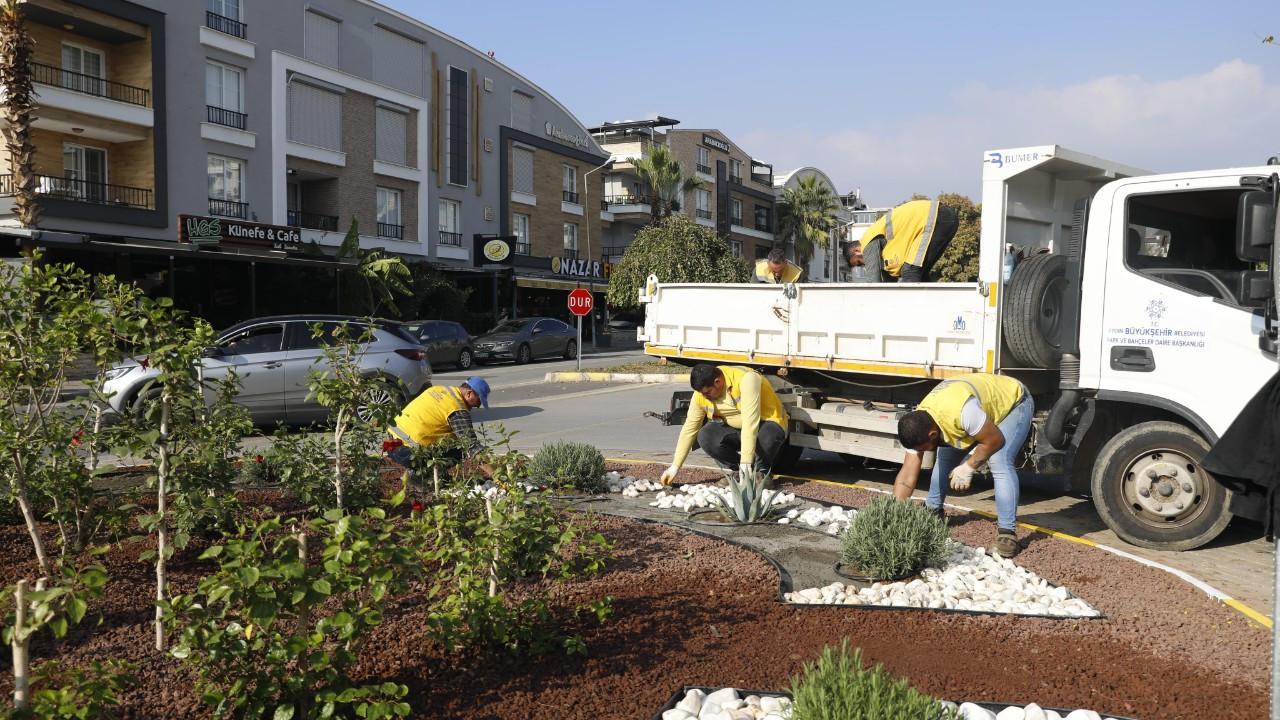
(746, 401)
(997, 394)
(907, 231)
(426, 419)
(790, 273)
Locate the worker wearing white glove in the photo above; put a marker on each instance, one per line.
(669, 475)
(986, 416)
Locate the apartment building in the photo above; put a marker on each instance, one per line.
(825, 264)
(206, 150)
(736, 199)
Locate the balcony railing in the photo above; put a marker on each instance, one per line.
(735, 179)
(522, 248)
(228, 208)
(736, 221)
(569, 197)
(704, 214)
(223, 116)
(763, 227)
(704, 168)
(569, 254)
(90, 85)
(83, 191)
(450, 238)
(312, 221)
(223, 24)
(627, 200)
(610, 251)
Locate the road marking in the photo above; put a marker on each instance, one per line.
(1216, 594)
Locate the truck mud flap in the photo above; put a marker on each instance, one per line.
(678, 411)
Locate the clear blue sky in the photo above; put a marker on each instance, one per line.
(897, 98)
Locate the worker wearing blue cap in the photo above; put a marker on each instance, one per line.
(435, 415)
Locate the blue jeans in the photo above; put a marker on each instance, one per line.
(1014, 428)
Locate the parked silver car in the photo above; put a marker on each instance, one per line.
(527, 339)
(271, 357)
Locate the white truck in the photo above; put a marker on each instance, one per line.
(1142, 318)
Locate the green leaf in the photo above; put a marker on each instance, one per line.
(212, 551)
(76, 608)
(284, 712)
(248, 575)
(322, 586)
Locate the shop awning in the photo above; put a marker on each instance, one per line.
(550, 284)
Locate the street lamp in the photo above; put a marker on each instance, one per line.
(586, 204)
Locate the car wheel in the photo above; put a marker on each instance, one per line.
(384, 400)
(145, 404)
(465, 359)
(571, 350)
(524, 354)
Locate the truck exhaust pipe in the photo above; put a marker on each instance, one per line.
(1055, 427)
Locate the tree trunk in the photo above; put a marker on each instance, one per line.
(303, 628)
(337, 458)
(19, 644)
(16, 83)
(19, 485)
(162, 508)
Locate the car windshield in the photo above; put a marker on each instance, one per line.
(510, 326)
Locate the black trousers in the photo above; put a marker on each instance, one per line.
(944, 229)
(723, 443)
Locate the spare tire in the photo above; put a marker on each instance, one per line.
(1035, 298)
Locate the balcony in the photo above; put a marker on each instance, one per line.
(90, 85)
(625, 200)
(704, 214)
(230, 118)
(736, 221)
(57, 188)
(224, 24)
(704, 169)
(453, 239)
(608, 252)
(569, 197)
(763, 227)
(735, 179)
(569, 254)
(312, 221)
(228, 208)
(522, 248)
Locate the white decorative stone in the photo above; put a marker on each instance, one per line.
(692, 701)
(1034, 712)
(677, 714)
(1013, 712)
(771, 704)
(969, 711)
(1083, 715)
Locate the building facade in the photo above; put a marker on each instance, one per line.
(825, 264)
(209, 150)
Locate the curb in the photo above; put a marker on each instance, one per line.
(1252, 614)
(616, 377)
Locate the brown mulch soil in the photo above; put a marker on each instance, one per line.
(689, 610)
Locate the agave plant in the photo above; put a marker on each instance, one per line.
(747, 501)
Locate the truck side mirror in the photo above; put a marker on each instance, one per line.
(1255, 226)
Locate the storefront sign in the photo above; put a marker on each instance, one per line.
(216, 231)
(494, 249)
(581, 268)
(575, 139)
(715, 142)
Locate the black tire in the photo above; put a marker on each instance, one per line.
(465, 359)
(571, 350)
(1162, 460)
(142, 403)
(385, 396)
(1035, 298)
(524, 354)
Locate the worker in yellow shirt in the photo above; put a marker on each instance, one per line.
(775, 269)
(736, 418)
(908, 240)
(439, 412)
(968, 420)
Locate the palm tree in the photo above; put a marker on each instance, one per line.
(662, 178)
(16, 83)
(381, 272)
(806, 215)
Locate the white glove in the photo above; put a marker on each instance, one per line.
(669, 475)
(745, 470)
(962, 477)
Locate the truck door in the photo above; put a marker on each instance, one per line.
(1180, 330)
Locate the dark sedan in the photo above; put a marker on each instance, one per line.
(527, 339)
(447, 343)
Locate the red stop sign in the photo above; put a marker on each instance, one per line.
(580, 302)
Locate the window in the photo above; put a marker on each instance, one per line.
(763, 218)
(320, 39)
(571, 241)
(520, 228)
(522, 170)
(735, 214)
(84, 172)
(224, 16)
(704, 204)
(456, 127)
(521, 110)
(226, 187)
(704, 160)
(398, 61)
(229, 9)
(83, 69)
(389, 222)
(450, 223)
(735, 248)
(569, 183)
(735, 170)
(391, 136)
(315, 116)
(260, 339)
(224, 94)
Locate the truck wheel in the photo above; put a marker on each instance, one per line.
(1033, 305)
(1149, 488)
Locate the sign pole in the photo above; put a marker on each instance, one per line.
(579, 343)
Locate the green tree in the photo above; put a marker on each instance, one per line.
(379, 275)
(662, 178)
(676, 250)
(435, 295)
(16, 82)
(960, 261)
(806, 216)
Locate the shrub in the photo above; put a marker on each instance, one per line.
(891, 539)
(60, 691)
(837, 687)
(573, 464)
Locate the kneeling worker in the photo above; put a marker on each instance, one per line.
(440, 412)
(735, 416)
(990, 414)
